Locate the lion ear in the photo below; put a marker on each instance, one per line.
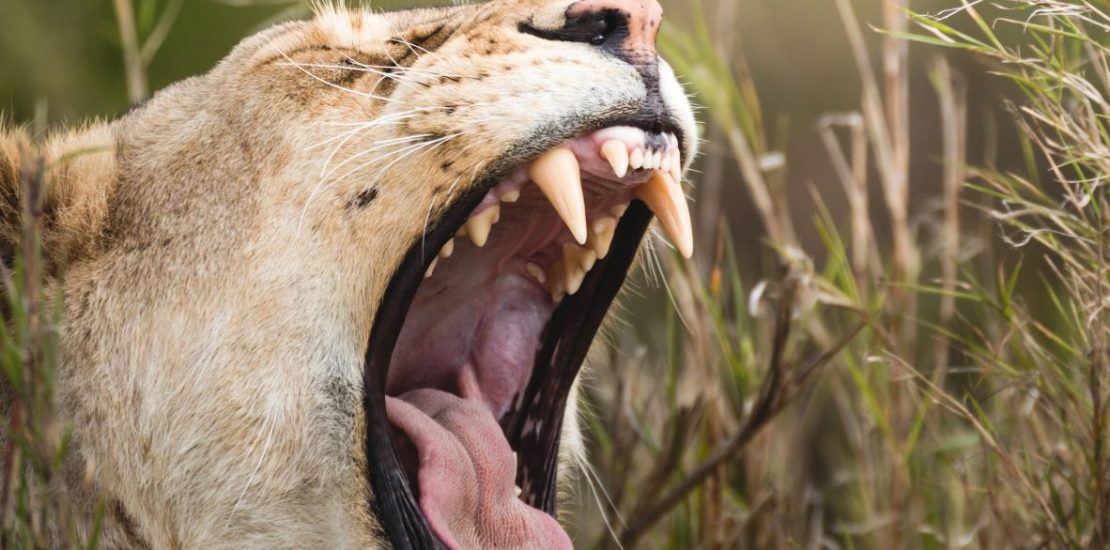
(75, 171)
(15, 148)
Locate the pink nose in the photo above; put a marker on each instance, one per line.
(633, 25)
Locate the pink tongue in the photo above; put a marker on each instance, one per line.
(467, 475)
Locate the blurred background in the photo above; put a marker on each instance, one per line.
(893, 333)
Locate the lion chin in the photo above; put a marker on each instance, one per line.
(337, 291)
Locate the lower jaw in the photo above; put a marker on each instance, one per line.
(565, 342)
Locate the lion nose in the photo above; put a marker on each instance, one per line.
(624, 28)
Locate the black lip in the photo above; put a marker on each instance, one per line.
(566, 340)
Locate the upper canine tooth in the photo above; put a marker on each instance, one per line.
(602, 236)
(479, 226)
(617, 154)
(676, 165)
(637, 159)
(557, 175)
(447, 249)
(666, 200)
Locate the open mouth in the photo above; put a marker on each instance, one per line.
(484, 327)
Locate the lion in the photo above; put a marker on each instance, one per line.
(336, 292)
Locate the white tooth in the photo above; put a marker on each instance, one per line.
(557, 175)
(617, 154)
(448, 249)
(511, 196)
(576, 257)
(666, 200)
(637, 159)
(602, 236)
(518, 490)
(479, 226)
(431, 269)
(575, 276)
(658, 161)
(536, 272)
(667, 161)
(676, 165)
(619, 210)
(649, 160)
(557, 285)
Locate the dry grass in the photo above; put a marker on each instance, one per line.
(971, 408)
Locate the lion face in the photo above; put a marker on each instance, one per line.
(404, 226)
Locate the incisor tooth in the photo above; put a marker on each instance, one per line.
(431, 269)
(617, 154)
(637, 159)
(668, 158)
(657, 160)
(666, 200)
(448, 249)
(536, 272)
(602, 236)
(511, 196)
(557, 175)
(479, 226)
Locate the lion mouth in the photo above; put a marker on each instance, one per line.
(483, 347)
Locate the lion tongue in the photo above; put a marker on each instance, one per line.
(466, 475)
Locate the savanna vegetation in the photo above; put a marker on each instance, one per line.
(895, 332)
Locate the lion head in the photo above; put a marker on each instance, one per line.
(336, 292)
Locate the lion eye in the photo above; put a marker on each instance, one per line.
(595, 28)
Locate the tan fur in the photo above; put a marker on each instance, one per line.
(221, 277)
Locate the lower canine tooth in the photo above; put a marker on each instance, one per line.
(576, 257)
(479, 226)
(558, 288)
(666, 200)
(602, 237)
(575, 276)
